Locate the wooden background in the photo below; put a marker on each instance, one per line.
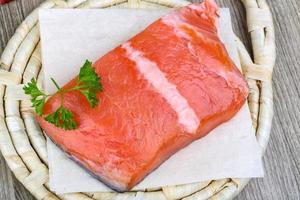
(282, 158)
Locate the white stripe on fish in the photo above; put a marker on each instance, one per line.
(149, 69)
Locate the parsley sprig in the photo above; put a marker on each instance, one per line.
(38, 97)
(88, 83)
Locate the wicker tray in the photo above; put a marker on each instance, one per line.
(23, 144)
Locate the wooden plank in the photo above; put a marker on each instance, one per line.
(282, 159)
(6, 181)
(11, 15)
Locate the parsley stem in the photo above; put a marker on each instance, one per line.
(77, 87)
(62, 100)
(59, 91)
(56, 85)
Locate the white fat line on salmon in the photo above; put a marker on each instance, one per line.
(176, 22)
(149, 69)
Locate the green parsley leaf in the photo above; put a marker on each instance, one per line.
(91, 97)
(89, 83)
(62, 118)
(38, 97)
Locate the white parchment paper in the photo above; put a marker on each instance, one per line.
(69, 37)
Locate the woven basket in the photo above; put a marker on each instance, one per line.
(23, 144)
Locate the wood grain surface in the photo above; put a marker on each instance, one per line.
(282, 158)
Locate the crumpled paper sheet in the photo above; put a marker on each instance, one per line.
(69, 37)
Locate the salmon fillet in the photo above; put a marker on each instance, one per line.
(169, 85)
